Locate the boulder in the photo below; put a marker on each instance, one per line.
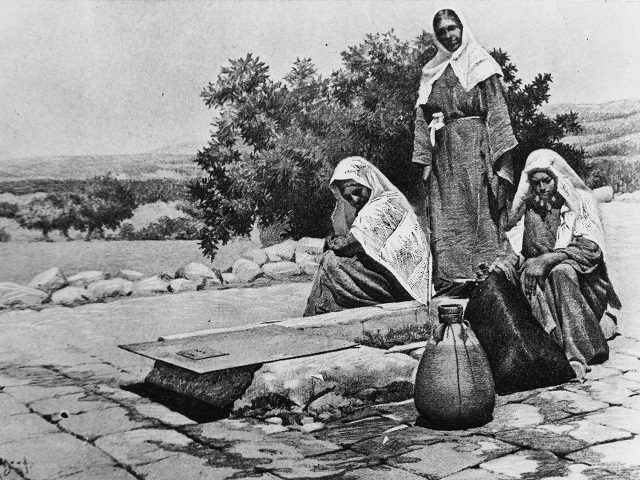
(82, 279)
(603, 194)
(256, 255)
(131, 275)
(195, 271)
(115, 287)
(13, 295)
(72, 296)
(154, 284)
(182, 285)
(313, 246)
(228, 277)
(282, 251)
(281, 269)
(347, 372)
(246, 271)
(49, 280)
(308, 263)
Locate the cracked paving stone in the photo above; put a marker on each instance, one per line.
(550, 405)
(451, 456)
(398, 442)
(53, 456)
(72, 404)
(144, 445)
(354, 432)
(598, 372)
(527, 464)
(33, 375)
(623, 362)
(381, 472)
(601, 391)
(579, 471)
(619, 457)
(517, 397)
(102, 422)
(626, 346)
(512, 416)
(330, 465)
(20, 427)
(11, 406)
(32, 393)
(224, 433)
(102, 473)
(307, 445)
(9, 381)
(119, 394)
(632, 402)
(183, 466)
(476, 473)
(618, 417)
(571, 402)
(634, 376)
(623, 382)
(163, 414)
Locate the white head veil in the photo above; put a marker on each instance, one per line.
(386, 227)
(470, 62)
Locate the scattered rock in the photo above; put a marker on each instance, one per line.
(312, 246)
(182, 285)
(282, 269)
(154, 284)
(131, 275)
(246, 271)
(195, 271)
(228, 277)
(284, 251)
(309, 263)
(274, 420)
(603, 194)
(82, 279)
(256, 255)
(115, 287)
(72, 296)
(13, 295)
(311, 427)
(49, 281)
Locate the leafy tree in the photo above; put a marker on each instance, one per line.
(275, 143)
(44, 214)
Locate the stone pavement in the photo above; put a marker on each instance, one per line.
(64, 414)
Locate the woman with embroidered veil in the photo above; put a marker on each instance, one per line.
(378, 253)
(558, 258)
(463, 139)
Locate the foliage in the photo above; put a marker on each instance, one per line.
(622, 174)
(400, 335)
(275, 143)
(8, 209)
(53, 212)
(165, 228)
(4, 235)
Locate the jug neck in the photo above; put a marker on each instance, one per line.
(450, 313)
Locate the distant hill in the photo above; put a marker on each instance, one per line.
(138, 166)
(609, 129)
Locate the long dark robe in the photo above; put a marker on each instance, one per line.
(470, 186)
(349, 278)
(576, 292)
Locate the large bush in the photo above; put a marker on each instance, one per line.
(275, 143)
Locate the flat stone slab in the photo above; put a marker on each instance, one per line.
(513, 416)
(527, 464)
(350, 433)
(102, 473)
(32, 393)
(618, 417)
(97, 423)
(10, 406)
(20, 427)
(72, 404)
(565, 401)
(144, 445)
(451, 456)
(53, 456)
(619, 457)
(381, 472)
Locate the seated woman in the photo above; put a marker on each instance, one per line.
(558, 258)
(378, 253)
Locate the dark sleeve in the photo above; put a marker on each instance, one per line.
(345, 245)
(584, 255)
(499, 126)
(421, 143)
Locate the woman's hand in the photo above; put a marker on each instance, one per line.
(506, 264)
(534, 270)
(336, 242)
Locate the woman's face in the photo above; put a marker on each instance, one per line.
(543, 184)
(449, 34)
(354, 194)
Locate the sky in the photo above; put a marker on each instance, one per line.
(86, 77)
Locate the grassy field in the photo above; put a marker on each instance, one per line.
(21, 261)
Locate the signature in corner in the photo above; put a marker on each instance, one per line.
(7, 465)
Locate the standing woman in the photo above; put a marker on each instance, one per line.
(463, 138)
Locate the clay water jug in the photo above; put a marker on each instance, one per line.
(454, 387)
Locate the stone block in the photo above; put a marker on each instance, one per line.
(82, 279)
(512, 416)
(142, 445)
(21, 427)
(182, 285)
(283, 251)
(195, 271)
(618, 417)
(570, 402)
(53, 456)
(151, 285)
(13, 295)
(131, 275)
(601, 391)
(72, 296)
(115, 287)
(282, 269)
(620, 457)
(526, 464)
(256, 255)
(49, 281)
(97, 423)
(603, 194)
(246, 271)
(228, 277)
(312, 246)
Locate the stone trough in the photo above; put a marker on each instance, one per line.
(311, 360)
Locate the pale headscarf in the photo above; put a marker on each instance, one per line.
(470, 62)
(386, 227)
(579, 213)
